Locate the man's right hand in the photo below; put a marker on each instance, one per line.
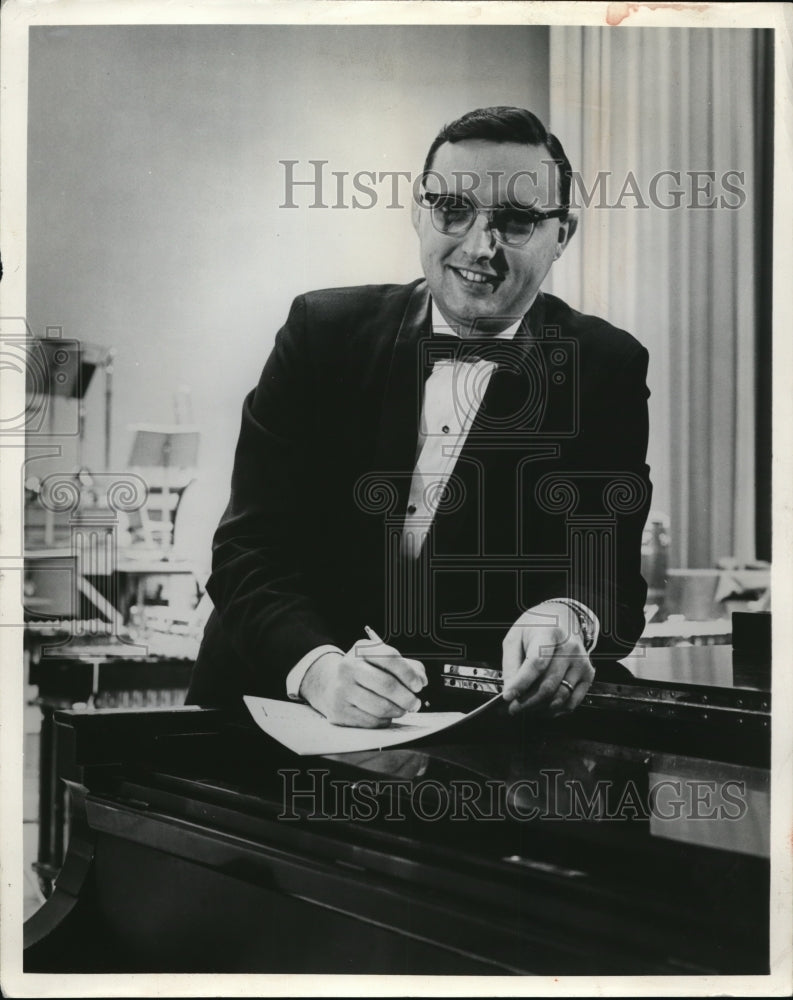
(368, 686)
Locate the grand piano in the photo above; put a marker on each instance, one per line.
(631, 837)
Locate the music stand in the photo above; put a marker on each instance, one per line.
(171, 448)
(68, 367)
(65, 368)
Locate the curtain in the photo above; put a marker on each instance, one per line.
(650, 257)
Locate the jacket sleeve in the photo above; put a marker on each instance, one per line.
(257, 582)
(615, 489)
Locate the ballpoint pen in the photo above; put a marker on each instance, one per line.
(376, 638)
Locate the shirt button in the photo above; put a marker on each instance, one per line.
(445, 428)
(412, 509)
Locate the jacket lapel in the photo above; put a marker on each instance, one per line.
(515, 397)
(507, 429)
(513, 407)
(395, 448)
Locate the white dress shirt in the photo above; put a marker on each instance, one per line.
(453, 394)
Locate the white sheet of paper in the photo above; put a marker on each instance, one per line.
(305, 731)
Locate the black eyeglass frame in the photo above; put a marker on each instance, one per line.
(430, 200)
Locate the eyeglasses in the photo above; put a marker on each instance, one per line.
(454, 216)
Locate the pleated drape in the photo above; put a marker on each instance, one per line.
(681, 277)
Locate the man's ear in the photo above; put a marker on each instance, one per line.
(566, 231)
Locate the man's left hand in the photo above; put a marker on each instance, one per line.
(543, 649)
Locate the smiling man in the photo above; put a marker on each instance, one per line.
(459, 462)
(476, 280)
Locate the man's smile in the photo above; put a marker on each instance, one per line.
(480, 278)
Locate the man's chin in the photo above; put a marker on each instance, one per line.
(480, 317)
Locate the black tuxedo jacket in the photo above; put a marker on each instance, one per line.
(548, 497)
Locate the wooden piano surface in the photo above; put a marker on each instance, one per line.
(607, 843)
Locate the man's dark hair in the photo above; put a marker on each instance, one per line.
(504, 124)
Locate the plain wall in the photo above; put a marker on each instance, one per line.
(154, 187)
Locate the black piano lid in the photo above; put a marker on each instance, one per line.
(217, 796)
(643, 817)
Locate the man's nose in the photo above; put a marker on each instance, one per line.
(480, 241)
